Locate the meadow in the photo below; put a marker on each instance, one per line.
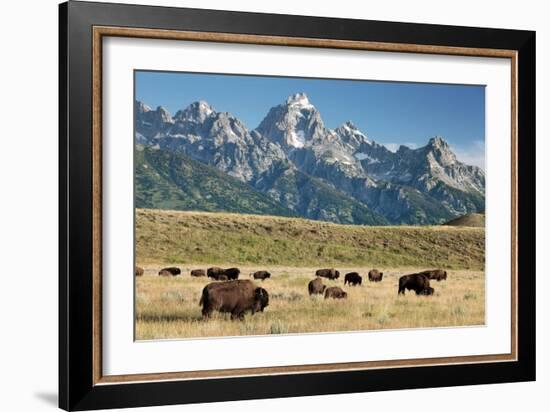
(291, 250)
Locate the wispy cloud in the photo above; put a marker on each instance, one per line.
(474, 154)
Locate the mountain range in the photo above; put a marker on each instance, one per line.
(293, 165)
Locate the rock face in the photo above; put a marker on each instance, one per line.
(338, 175)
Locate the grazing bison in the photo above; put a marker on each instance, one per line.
(172, 270)
(232, 273)
(335, 292)
(261, 274)
(428, 291)
(316, 287)
(214, 272)
(328, 273)
(375, 275)
(436, 274)
(198, 273)
(223, 274)
(139, 271)
(417, 282)
(235, 297)
(353, 278)
(164, 273)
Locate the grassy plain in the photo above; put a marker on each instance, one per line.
(168, 307)
(292, 249)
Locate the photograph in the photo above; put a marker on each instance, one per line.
(286, 205)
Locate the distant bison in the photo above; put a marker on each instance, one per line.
(261, 274)
(164, 273)
(216, 273)
(436, 274)
(316, 287)
(335, 292)
(428, 291)
(417, 282)
(232, 273)
(235, 297)
(353, 278)
(139, 271)
(172, 270)
(375, 275)
(328, 273)
(198, 273)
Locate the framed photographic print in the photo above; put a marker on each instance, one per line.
(257, 205)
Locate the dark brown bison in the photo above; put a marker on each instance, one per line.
(375, 275)
(232, 273)
(235, 297)
(172, 270)
(335, 292)
(316, 287)
(428, 291)
(261, 274)
(353, 278)
(328, 273)
(417, 282)
(214, 272)
(436, 274)
(139, 271)
(198, 273)
(164, 273)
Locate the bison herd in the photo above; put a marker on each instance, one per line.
(234, 296)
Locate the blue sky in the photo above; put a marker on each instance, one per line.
(390, 113)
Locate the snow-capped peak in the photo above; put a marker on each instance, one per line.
(350, 134)
(142, 107)
(299, 101)
(205, 107)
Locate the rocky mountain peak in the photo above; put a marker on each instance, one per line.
(142, 107)
(293, 123)
(163, 115)
(438, 142)
(441, 151)
(299, 101)
(196, 112)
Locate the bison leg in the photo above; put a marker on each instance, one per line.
(237, 314)
(206, 312)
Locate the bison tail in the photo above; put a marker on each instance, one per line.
(204, 298)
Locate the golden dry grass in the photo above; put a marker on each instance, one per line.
(168, 307)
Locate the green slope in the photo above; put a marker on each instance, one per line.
(165, 180)
(172, 237)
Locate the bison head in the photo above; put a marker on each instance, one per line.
(336, 274)
(261, 299)
(428, 291)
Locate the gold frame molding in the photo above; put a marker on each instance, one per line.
(99, 32)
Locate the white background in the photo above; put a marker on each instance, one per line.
(123, 356)
(28, 218)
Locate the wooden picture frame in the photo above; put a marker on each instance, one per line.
(82, 386)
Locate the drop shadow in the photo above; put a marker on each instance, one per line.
(49, 398)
